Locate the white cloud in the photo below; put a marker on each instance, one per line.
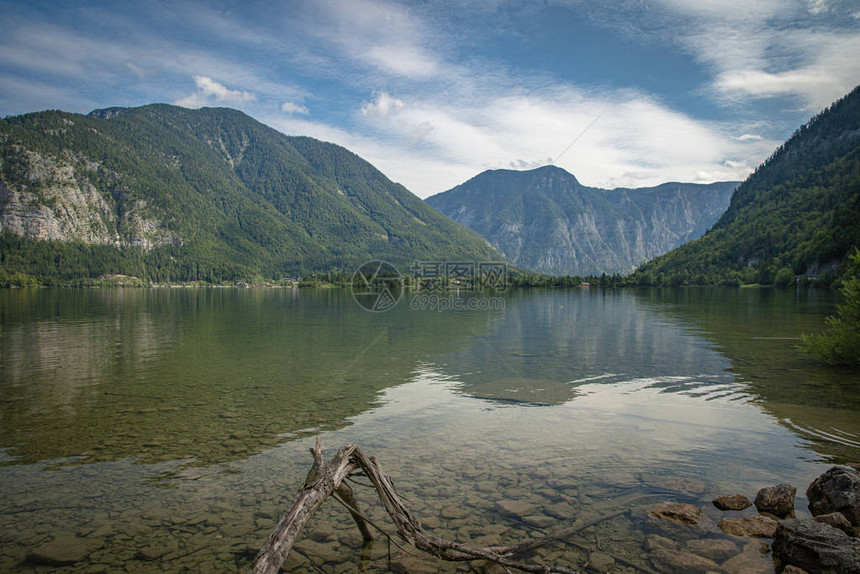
(816, 85)
(403, 60)
(724, 10)
(473, 116)
(422, 131)
(743, 165)
(211, 92)
(381, 35)
(635, 142)
(818, 6)
(769, 48)
(438, 117)
(383, 106)
(293, 108)
(523, 164)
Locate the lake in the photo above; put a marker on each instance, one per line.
(166, 429)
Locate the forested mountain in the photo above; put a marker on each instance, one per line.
(169, 194)
(797, 215)
(546, 221)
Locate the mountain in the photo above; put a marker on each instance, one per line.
(546, 221)
(797, 214)
(168, 193)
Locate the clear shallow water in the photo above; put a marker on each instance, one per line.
(166, 429)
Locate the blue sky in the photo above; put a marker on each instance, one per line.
(433, 93)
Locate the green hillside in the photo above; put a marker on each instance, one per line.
(797, 215)
(171, 194)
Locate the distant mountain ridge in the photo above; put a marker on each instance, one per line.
(169, 193)
(798, 214)
(546, 221)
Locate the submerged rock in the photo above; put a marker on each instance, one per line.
(686, 484)
(413, 565)
(150, 553)
(751, 561)
(64, 551)
(676, 511)
(562, 511)
(319, 553)
(732, 502)
(777, 500)
(600, 562)
(716, 549)
(656, 542)
(539, 520)
(486, 540)
(678, 561)
(322, 533)
(296, 561)
(454, 511)
(816, 547)
(836, 490)
(515, 508)
(761, 526)
(431, 522)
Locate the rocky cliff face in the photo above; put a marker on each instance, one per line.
(170, 194)
(546, 221)
(53, 197)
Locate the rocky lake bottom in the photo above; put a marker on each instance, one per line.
(143, 437)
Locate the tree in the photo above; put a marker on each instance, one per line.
(840, 344)
(784, 277)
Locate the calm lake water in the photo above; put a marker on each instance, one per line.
(165, 429)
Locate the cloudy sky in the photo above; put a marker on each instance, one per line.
(623, 93)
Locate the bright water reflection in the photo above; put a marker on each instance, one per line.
(165, 429)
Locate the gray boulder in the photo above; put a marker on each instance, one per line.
(732, 502)
(816, 547)
(837, 490)
(777, 500)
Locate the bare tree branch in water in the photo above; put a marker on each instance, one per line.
(328, 478)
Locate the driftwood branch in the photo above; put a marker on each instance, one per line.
(327, 478)
(323, 479)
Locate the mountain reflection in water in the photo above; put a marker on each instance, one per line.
(179, 419)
